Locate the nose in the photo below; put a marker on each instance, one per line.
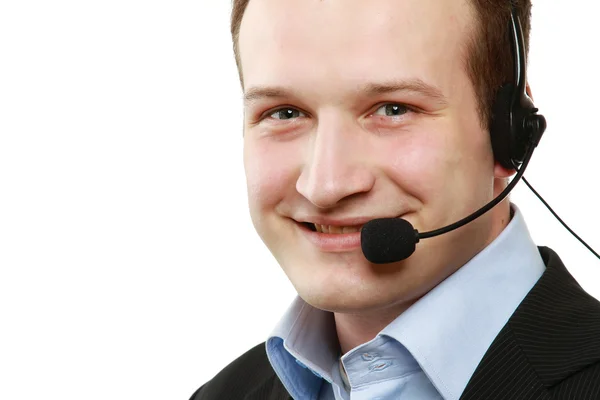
(336, 164)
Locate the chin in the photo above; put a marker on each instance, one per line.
(354, 289)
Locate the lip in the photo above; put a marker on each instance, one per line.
(333, 242)
(356, 221)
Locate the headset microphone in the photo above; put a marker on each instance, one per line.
(515, 131)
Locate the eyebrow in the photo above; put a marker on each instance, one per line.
(370, 89)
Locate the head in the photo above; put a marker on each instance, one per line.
(365, 109)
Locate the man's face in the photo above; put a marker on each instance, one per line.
(368, 113)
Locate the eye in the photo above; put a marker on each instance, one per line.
(287, 113)
(392, 110)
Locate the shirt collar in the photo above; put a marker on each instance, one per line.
(303, 348)
(447, 331)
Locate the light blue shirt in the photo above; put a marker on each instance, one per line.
(431, 350)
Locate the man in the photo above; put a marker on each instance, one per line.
(356, 110)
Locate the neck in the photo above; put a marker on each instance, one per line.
(356, 329)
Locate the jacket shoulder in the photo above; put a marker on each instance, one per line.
(584, 384)
(249, 373)
(558, 324)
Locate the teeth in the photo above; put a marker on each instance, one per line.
(332, 229)
(336, 229)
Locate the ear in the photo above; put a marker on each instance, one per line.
(528, 91)
(502, 172)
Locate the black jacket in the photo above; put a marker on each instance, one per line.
(549, 349)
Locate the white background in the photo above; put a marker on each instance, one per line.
(129, 268)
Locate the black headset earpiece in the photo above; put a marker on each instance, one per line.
(515, 125)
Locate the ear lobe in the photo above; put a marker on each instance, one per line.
(502, 172)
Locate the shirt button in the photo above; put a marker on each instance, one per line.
(369, 356)
(379, 366)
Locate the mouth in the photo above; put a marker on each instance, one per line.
(331, 229)
(333, 238)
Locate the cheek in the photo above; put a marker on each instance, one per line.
(270, 171)
(419, 163)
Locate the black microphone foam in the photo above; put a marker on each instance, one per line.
(387, 240)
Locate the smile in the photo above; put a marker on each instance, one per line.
(332, 238)
(332, 229)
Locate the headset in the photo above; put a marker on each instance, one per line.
(515, 128)
(519, 128)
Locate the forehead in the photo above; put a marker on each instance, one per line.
(332, 43)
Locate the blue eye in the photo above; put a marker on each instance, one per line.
(392, 110)
(287, 113)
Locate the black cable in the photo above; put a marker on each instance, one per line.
(558, 218)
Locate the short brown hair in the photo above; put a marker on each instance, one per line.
(489, 60)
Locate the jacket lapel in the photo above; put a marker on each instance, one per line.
(554, 333)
